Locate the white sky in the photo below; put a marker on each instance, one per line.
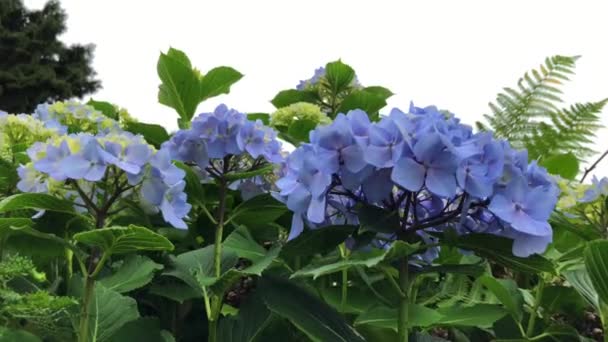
(455, 54)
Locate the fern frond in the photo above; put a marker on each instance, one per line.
(516, 111)
(567, 130)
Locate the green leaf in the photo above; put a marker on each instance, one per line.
(339, 76)
(499, 249)
(291, 96)
(300, 129)
(580, 280)
(258, 210)
(561, 333)
(177, 292)
(142, 329)
(242, 244)
(398, 250)
(384, 317)
(313, 241)
(135, 272)
(264, 170)
(512, 302)
(379, 91)
(479, 315)
(562, 300)
(217, 81)
(264, 117)
(252, 318)
(468, 269)
(36, 201)
(596, 262)
(180, 88)
(565, 165)
(106, 108)
(121, 240)
(361, 99)
(309, 314)
(10, 335)
(11, 224)
(376, 219)
(108, 312)
(154, 134)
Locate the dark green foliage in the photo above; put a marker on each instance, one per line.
(34, 65)
(531, 115)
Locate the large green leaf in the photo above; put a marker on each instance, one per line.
(563, 300)
(479, 315)
(565, 165)
(596, 262)
(299, 130)
(309, 314)
(154, 134)
(142, 329)
(9, 225)
(10, 335)
(580, 280)
(499, 249)
(258, 210)
(384, 317)
(121, 240)
(106, 108)
(291, 96)
(339, 76)
(180, 87)
(241, 243)
(510, 299)
(253, 316)
(217, 81)
(108, 311)
(376, 219)
(194, 188)
(135, 272)
(36, 201)
(398, 250)
(178, 292)
(364, 100)
(313, 241)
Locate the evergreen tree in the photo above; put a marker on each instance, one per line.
(34, 65)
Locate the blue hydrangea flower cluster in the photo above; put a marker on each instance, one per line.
(118, 156)
(221, 133)
(427, 166)
(61, 115)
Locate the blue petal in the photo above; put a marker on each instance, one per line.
(409, 174)
(441, 182)
(297, 226)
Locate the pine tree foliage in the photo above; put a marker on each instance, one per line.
(532, 114)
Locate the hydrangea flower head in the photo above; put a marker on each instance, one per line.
(425, 165)
(298, 111)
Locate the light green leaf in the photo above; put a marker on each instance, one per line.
(398, 250)
(309, 314)
(154, 134)
(384, 317)
(108, 312)
(580, 280)
(479, 315)
(10, 335)
(565, 165)
(36, 201)
(217, 81)
(364, 100)
(291, 96)
(510, 300)
(180, 88)
(242, 244)
(339, 76)
(106, 108)
(264, 117)
(135, 272)
(121, 240)
(596, 262)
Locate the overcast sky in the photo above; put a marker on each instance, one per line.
(454, 54)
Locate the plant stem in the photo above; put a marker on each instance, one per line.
(537, 299)
(404, 304)
(343, 298)
(594, 165)
(219, 231)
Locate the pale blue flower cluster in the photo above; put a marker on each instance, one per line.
(426, 165)
(222, 133)
(599, 187)
(88, 158)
